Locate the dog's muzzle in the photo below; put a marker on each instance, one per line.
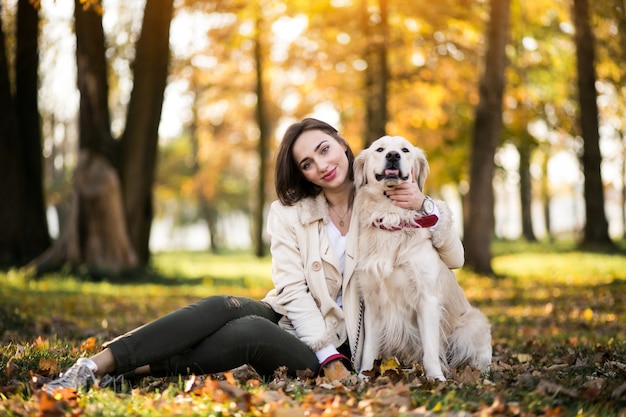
(392, 174)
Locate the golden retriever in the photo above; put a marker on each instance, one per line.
(414, 308)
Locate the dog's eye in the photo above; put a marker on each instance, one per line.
(405, 150)
(379, 150)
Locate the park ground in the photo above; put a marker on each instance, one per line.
(559, 343)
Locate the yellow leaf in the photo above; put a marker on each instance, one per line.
(588, 314)
(438, 407)
(390, 364)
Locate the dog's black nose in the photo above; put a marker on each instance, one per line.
(393, 156)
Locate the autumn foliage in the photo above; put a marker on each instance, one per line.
(557, 330)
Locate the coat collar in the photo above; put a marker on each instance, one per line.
(314, 209)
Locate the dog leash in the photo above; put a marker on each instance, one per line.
(358, 331)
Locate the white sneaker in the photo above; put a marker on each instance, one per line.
(78, 376)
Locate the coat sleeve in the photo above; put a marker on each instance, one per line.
(291, 295)
(446, 240)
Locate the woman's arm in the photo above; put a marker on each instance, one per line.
(444, 237)
(291, 295)
(446, 240)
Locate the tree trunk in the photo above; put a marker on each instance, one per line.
(10, 187)
(263, 147)
(94, 117)
(525, 152)
(596, 232)
(486, 137)
(139, 143)
(376, 73)
(25, 230)
(96, 234)
(33, 208)
(546, 197)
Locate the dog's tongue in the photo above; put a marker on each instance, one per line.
(392, 172)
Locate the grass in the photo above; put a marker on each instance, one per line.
(558, 318)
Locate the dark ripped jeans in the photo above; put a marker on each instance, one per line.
(215, 334)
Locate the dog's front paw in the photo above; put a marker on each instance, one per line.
(438, 377)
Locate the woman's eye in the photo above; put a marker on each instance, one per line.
(379, 150)
(405, 150)
(325, 149)
(305, 166)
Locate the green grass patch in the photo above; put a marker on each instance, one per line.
(558, 324)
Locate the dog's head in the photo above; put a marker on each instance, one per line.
(389, 161)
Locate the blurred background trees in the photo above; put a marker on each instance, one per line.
(186, 102)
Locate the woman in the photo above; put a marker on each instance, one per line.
(310, 320)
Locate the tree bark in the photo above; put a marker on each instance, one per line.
(263, 146)
(546, 197)
(10, 186)
(34, 222)
(96, 233)
(596, 231)
(94, 116)
(139, 143)
(25, 230)
(478, 230)
(525, 151)
(376, 73)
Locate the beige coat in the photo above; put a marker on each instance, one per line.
(306, 276)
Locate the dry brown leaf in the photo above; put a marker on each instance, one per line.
(336, 371)
(48, 366)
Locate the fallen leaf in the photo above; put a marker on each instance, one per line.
(390, 364)
(89, 345)
(48, 366)
(41, 343)
(551, 388)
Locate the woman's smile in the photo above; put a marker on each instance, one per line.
(331, 175)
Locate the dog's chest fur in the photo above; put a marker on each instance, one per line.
(397, 266)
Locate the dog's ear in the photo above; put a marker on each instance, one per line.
(421, 169)
(360, 176)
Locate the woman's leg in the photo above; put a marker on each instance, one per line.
(179, 330)
(251, 340)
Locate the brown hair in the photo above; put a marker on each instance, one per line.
(291, 186)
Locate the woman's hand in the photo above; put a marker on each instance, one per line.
(406, 195)
(336, 371)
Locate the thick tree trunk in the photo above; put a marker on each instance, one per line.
(96, 233)
(376, 73)
(138, 146)
(478, 230)
(596, 232)
(35, 225)
(10, 186)
(24, 230)
(94, 116)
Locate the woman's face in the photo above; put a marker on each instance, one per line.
(322, 160)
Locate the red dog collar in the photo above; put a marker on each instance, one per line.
(417, 223)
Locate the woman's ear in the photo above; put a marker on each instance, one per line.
(358, 166)
(421, 169)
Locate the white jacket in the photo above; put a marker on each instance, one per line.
(306, 275)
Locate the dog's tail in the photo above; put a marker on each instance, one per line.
(470, 342)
